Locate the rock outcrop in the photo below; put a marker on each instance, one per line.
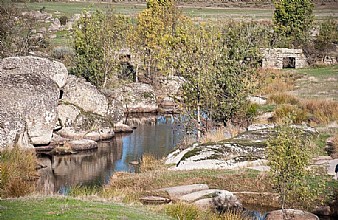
(245, 150)
(39, 66)
(135, 98)
(202, 196)
(168, 93)
(28, 104)
(85, 96)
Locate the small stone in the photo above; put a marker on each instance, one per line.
(122, 128)
(134, 163)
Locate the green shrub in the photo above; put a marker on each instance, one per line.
(17, 172)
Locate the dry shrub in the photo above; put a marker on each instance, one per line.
(187, 141)
(232, 215)
(289, 112)
(275, 81)
(283, 98)
(183, 211)
(215, 135)
(323, 111)
(17, 172)
(149, 162)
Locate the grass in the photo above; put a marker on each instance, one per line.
(71, 8)
(320, 71)
(71, 208)
(214, 135)
(307, 95)
(149, 162)
(129, 187)
(317, 83)
(183, 211)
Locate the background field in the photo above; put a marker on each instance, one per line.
(233, 11)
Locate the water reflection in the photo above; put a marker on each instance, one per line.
(158, 138)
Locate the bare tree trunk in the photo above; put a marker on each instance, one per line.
(198, 123)
(198, 115)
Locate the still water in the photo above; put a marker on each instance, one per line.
(155, 135)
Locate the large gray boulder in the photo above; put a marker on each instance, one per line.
(135, 97)
(40, 66)
(28, 104)
(85, 96)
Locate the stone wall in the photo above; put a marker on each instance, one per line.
(273, 57)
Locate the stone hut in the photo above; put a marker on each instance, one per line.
(279, 58)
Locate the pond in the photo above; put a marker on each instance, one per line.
(155, 135)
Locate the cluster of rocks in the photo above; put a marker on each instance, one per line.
(219, 201)
(199, 194)
(40, 104)
(244, 150)
(51, 23)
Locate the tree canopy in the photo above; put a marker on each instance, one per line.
(292, 21)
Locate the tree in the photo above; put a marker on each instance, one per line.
(236, 68)
(289, 154)
(327, 37)
(98, 39)
(198, 51)
(154, 34)
(217, 64)
(292, 21)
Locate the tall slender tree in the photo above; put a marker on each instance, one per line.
(98, 39)
(154, 35)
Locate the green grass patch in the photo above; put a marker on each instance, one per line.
(323, 71)
(70, 208)
(71, 8)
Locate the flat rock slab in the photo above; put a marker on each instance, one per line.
(191, 197)
(100, 134)
(178, 191)
(293, 214)
(84, 144)
(204, 203)
(155, 200)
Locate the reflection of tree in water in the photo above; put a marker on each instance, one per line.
(84, 168)
(158, 137)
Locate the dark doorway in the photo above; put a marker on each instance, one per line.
(289, 62)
